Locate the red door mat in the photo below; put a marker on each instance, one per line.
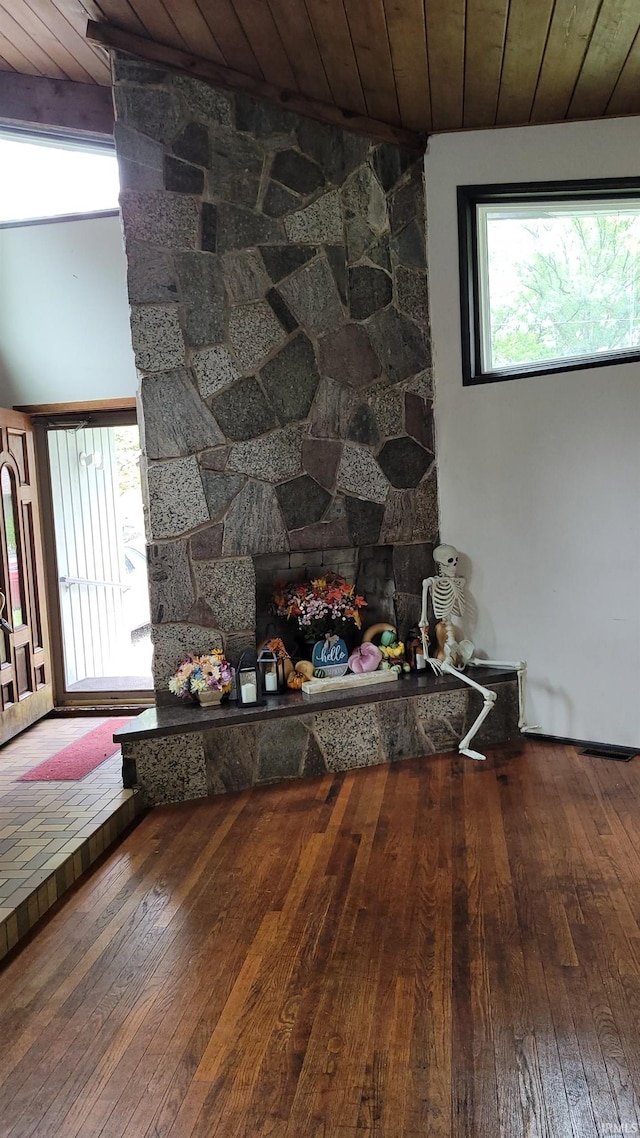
(79, 758)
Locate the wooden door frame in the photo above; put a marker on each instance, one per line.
(40, 699)
(54, 416)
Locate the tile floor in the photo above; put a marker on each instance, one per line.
(51, 832)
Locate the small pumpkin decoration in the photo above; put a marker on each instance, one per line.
(377, 630)
(392, 650)
(366, 658)
(304, 671)
(390, 647)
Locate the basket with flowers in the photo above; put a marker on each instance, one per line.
(206, 678)
(327, 604)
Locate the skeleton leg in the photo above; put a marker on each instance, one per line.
(489, 697)
(520, 667)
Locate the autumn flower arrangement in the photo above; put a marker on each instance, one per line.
(320, 605)
(198, 675)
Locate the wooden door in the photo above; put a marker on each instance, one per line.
(25, 680)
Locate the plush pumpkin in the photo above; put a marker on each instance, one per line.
(366, 658)
(295, 681)
(305, 668)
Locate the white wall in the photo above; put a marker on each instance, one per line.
(540, 477)
(64, 314)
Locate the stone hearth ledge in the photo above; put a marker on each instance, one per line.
(174, 754)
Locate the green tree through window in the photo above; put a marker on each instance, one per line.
(574, 292)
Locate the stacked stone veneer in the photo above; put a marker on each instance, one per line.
(339, 739)
(276, 273)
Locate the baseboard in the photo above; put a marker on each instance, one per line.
(586, 743)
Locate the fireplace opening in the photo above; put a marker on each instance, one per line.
(370, 568)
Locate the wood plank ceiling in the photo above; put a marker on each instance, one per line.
(426, 65)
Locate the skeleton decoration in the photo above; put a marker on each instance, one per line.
(447, 600)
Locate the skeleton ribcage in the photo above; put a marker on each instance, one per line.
(447, 597)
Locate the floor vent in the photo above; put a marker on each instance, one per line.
(617, 754)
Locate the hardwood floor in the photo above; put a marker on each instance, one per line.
(436, 948)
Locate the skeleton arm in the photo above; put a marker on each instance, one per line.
(427, 585)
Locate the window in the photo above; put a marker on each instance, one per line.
(549, 277)
(49, 176)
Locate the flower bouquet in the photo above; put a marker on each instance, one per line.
(204, 678)
(323, 605)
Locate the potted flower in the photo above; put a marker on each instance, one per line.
(325, 608)
(207, 679)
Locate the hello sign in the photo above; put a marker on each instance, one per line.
(331, 655)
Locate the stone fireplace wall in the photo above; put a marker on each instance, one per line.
(279, 315)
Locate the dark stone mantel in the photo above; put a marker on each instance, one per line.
(180, 718)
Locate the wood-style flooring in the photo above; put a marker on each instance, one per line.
(435, 948)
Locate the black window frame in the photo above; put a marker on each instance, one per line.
(470, 196)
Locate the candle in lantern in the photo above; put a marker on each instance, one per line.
(249, 691)
(271, 681)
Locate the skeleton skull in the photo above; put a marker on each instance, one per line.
(446, 558)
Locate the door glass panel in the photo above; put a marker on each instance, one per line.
(102, 568)
(10, 517)
(32, 570)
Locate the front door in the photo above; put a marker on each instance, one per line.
(99, 594)
(25, 680)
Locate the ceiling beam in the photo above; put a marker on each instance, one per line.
(33, 100)
(220, 76)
